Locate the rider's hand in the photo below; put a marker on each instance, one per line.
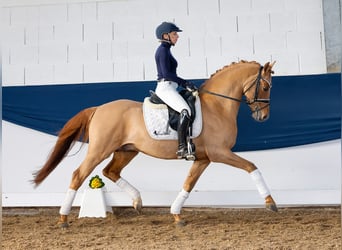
(191, 87)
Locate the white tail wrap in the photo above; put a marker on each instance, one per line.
(179, 202)
(260, 183)
(69, 199)
(128, 188)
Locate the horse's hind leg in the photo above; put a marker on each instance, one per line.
(78, 177)
(113, 170)
(195, 172)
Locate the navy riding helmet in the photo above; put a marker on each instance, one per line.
(164, 28)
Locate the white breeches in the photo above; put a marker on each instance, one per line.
(167, 91)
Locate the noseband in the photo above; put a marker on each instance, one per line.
(248, 102)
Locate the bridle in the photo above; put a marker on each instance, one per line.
(248, 102)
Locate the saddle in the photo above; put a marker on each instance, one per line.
(173, 114)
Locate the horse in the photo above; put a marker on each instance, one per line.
(125, 135)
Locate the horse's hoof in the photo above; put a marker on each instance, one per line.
(272, 207)
(63, 225)
(180, 223)
(137, 204)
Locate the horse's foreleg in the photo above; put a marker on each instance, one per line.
(263, 190)
(239, 162)
(113, 170)
(195, 172)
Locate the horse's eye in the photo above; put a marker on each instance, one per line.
(266, 88)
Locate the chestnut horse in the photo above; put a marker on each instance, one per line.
(125, 135)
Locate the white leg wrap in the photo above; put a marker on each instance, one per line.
(260, 183)
(128, 188)
(69, 199)
(179, 202)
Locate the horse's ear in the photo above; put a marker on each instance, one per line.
(268, 67)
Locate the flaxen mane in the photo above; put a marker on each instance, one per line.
(232, 64)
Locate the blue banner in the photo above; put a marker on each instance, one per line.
(304, 109)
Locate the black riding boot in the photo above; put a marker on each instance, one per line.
(183, 127)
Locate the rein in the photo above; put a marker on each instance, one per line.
(256, 99)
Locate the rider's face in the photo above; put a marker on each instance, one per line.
(173, 37)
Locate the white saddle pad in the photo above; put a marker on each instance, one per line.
(156, 118)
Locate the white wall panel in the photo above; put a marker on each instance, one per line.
(212, 46)
(241, 29)
(120, 70)
(5, 54)
(142, 48)
(236, 7)
(201, 8)
(15, 34)
(215, 63)
(75, 15)
(193, 67)
(150, 24)
(237, 44)
(13, 75)
(182, 49)
(197, 47)
(98, 31)
(303, 5)
(168, 11)
(253, 23)
(312, 61)
(52, 14)
(36, 74)
(82, 52)
(68, 73)
(68, 32)
(267, 5)
(222, 25)
(262, 58)
(5, 16)
(119, 49)
(31, 34)
(89, 12)
(98, 72)
(52, 52)
(287, 63)
(104, 51)
(24, 54)
(129, 70)
(135, 69)
(310, 20)
(25, 15)
(150, 69)
(128, 28)
(283, 21)
(46, 33)
(269, 42)
(192, 26)
(110, 11)
(304, 41)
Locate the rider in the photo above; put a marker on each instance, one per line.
(168, 82)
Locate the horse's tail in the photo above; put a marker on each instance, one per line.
(75, 129)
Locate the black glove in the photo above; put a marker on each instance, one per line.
(191, 87)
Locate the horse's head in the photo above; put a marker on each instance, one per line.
(257, 92)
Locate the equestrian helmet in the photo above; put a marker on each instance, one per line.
(165, 28)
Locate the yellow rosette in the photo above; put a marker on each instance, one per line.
(96, 182)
